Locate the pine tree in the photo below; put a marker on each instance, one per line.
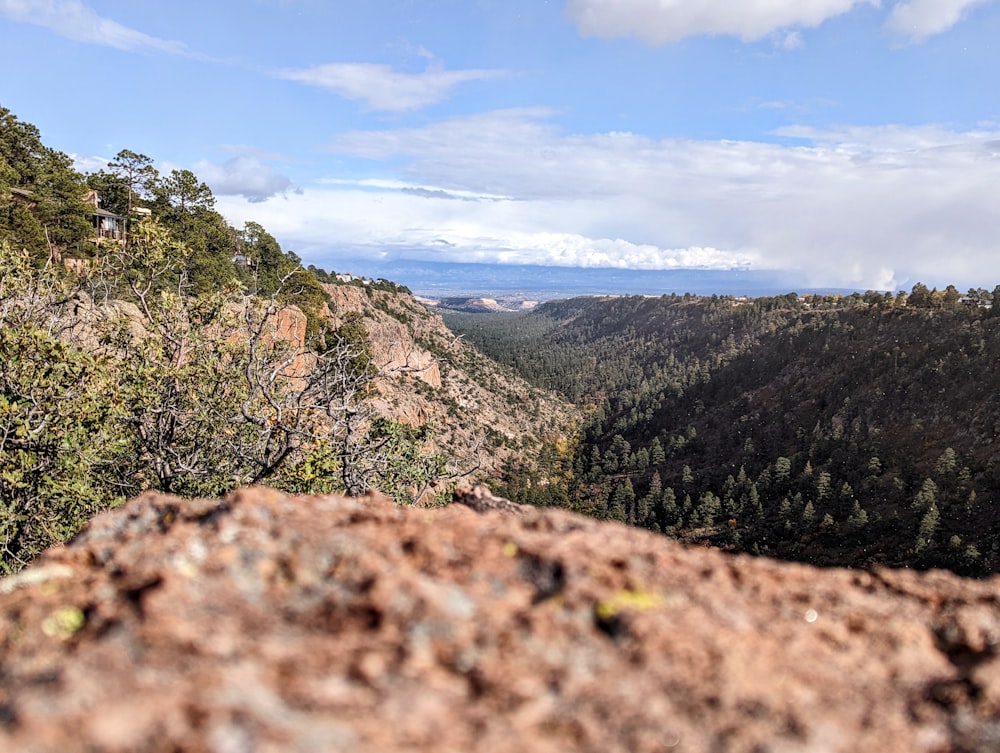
(822, 485)
(621, 506)
(754, 503)
(782, 470)
(874, 467)
(785, 508)
(858, 517)
(928, 526)
(646, 515)
(947, 463)
(709, 508)
(668, 508)
(657, 457)
(927, 496)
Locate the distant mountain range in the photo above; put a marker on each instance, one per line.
(438, 280)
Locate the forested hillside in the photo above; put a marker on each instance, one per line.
(851, 431)
(147, 344)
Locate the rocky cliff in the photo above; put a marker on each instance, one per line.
(436, 377)
(431, 376)
(263, 622)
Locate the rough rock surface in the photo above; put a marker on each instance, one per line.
(264, 622)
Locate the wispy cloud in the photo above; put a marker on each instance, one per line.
(659, 22)
(88, 163)
(74, 20)
(379, 184)
(792, 41)
(384, 89)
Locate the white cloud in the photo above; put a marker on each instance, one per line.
(74, 20)
(89, 164)
(792, 41)
(919, 19)
(382, 88)
(380, 223)
(662, 21)
(242, 176)
(887, 139)
(856, 207)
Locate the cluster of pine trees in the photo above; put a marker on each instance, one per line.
(836, 430)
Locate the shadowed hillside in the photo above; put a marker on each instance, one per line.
(836, 431)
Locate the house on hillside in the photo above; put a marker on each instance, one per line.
(23, 196)
(108, 226)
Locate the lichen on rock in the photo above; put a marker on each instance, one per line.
(269, 622)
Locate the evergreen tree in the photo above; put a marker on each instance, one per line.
(947, 463)
(657, 456)
(928, 527)
(181, 197)
(621, 503)
(782, 470)
(754, 503)
(138, 177)
(874, 467)
(823, 482)
(653, 498)
(858, 517)
(927, 496)
(57, 219)
(669, 512)
(709, 508)
(920, 297)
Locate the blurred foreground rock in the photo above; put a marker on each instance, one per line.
(273, 623)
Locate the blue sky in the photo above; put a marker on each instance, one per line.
(856, 142)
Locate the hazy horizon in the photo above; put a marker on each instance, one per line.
(542, 283)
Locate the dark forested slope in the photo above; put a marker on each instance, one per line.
(837, 431)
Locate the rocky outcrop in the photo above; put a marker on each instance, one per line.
(437, 378)
(263, 622)
(483, 305)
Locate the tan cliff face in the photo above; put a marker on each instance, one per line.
(393, 321)
(263, 622)
(440, 379)
(431, 377)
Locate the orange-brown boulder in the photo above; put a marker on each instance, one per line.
(264, 622)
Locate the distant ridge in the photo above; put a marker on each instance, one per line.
(483, 305)
(439, 280)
